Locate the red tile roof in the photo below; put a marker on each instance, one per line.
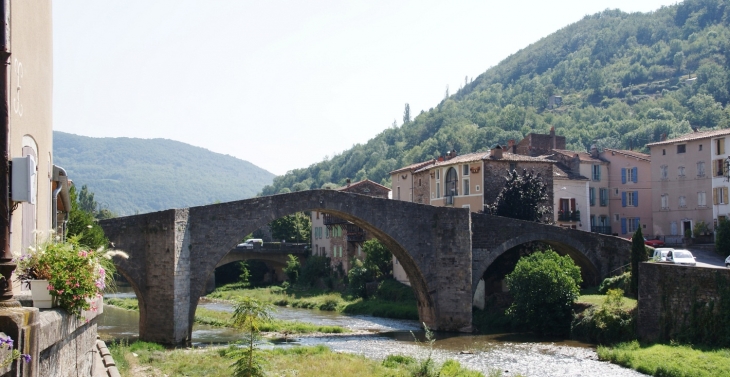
(351, 185)
(633, 154)
(413, 167)
(582, 156)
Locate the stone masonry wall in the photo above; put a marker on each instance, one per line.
(422, 192)
(667, 294)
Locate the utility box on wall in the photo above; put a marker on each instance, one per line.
(23, 179)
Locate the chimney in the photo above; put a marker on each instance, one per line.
(552, 136)
(512, 147)
(348, 182)
(594, 151)
(496, 152)
(664, 137)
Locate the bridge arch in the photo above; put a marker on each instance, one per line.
(432, 243)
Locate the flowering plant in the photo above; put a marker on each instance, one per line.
(15, 355)
(76, 275)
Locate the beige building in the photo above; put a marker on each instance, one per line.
(456, 181)
(630, 194)
(40, 189)
(682, 171)
(571, 202)
(338, 239)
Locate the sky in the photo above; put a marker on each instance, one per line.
(281, 84)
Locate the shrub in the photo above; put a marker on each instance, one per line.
(358, 277)
(292, 269)
(314, 268)
(638, 255)
(607, 325)
(378, 258)
(544, 286)
(622, 282)
(722, 240)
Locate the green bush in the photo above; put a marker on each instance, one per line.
(544, 286)
(608, 325)
(393, 290)
(622, 282)
(292, 269)
(722, 240)
(314, 268)
(358, 276)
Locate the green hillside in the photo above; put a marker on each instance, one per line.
(131, 176)
(623, 79)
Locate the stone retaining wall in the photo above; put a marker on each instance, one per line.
(59, 344)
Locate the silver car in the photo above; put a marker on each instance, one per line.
(680, 256)
(660, 254)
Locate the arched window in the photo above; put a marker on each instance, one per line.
(452, 185)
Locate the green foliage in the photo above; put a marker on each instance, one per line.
(638, 255)
(315, 268)
(131, 176)
(668, 360)
(607, 325)
(700, 228)
(292, 269)
(523, 197)
(358, 276)
(378, 259)
(622, 78)
(81, 224)
(249, 315)
(622, 282)
(245, 274)
(722, 240)
(544, 286)
(393, 361)
(296, 227)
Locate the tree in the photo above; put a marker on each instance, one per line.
(248, 315)
(544, 286)
(86, 200)
(81, 223)
(378, 259)
(292, 269)
(407, 114)
(296, 227)
(722, 240)
(638, 255)
(523, 197)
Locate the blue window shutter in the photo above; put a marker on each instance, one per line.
(599, 172)
(636, 198)
(636, 174)
(623, 176)
(623, 225)
(623, 198)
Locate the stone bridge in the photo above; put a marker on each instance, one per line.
(444, 251)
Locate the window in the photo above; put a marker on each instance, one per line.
(665, 201)
(719, 195)
(419, 182)
(512, 166)
(701, 169)
(718, 168)
(700, 146)
(465, 170)
(603, 197)
(633, 223)
(664, 172)
(592, 196)
(438, 189)
(615, 217)
(701, 199)
(682, 202)
(629, 175)
(326, 232)
(680, 171)
(664, 152)
(398, 195)
(596, 172)
(477, 188)
(719, 146)
(438, 176)
(682, 148)
(452, 185)
(465, 190)
(630, 199)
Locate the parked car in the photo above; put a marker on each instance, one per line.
(727, 262)
(660, 254)
(680, 256)
(249, 243)
(652, 243)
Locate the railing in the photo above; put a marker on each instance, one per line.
(569, 216)
(355, 233)
(332, 220)
(601, 229)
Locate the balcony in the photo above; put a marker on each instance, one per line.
(569, 216)
(601, 229)
(355, 234)
(332, 220)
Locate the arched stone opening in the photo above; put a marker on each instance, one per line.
(141, 301)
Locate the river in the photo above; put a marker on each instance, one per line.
(511, 354)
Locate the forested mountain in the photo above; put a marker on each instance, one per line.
(625, 79)
(131, 176)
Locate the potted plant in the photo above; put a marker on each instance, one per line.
(75, 275)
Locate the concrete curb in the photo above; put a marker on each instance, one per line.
(106, 356)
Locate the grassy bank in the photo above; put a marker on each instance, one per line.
(391, 300)
(223, 319)
(149, 359)
(668, 360)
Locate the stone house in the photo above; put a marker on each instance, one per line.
(539, 144)
(338, 239)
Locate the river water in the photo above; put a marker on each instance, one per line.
(379, 337)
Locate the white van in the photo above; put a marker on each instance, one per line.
(248, 244)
